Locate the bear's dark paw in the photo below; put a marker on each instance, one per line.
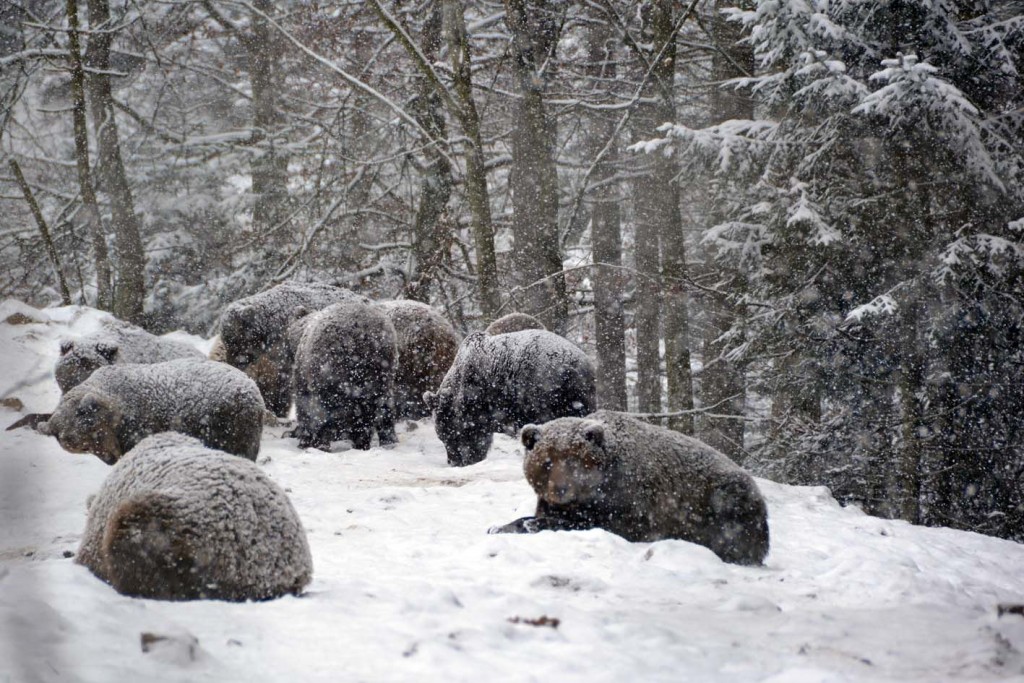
(532, 525)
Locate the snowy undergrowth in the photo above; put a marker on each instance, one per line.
(408, 586)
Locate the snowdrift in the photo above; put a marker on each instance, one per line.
(408, 586)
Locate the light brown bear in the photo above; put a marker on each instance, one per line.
(642, 482)
(119, 405)
(175, 520)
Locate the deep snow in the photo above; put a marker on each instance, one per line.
(408, 586)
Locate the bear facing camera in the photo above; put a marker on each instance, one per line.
(641, 482)
(175, 520)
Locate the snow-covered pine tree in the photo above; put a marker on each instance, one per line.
(874, 206)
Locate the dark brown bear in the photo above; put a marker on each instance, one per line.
(427, 344)
(502, 382)
(514, 322)
(344, 375)
(252, 332)
(642, 482)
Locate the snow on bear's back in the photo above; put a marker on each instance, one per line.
(244, 538)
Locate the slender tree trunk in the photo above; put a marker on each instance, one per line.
(270, 166)
(477, 194)
(912, 376)
(113, 179)
(537, 256)
(90, 207)
(722, 384)
(44, 231)
(606, 236)
(660, 17)
(430, 232)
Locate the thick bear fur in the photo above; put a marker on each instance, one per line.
(120, 405)
(642, 482)
(502, 382)
(116, 342)
(344, 376)
(514, 322)
(427, 344)
(175, 520)
(253, 329)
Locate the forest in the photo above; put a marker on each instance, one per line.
(791, 228)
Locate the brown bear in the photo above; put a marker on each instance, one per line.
(505, 381)
(514, 322)
(116, 342)
(119, 405)
(175, 520)
(344, 376)
(427, 344)
(253, 329)
(642, 482)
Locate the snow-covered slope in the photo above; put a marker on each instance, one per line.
(408, 586)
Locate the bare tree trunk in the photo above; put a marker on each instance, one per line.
(430, 231)
(44, 231)
(477, 194)
(606, 236)
(270, 166)
(722, 384)
(912, 384)
(131, 260)
(534, 180)
(90, 207)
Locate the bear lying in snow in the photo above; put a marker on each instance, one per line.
(253, 329)
(514, 322)
(642, 482)
(427, 344)
(117, 342)
(344, 376)
(119, 405)
(175, 520)
(505, 381)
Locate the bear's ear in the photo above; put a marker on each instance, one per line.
(594, 434)
(530, 436)
(65, 346)
(299, 312)
(430, 399)
(107, 350)
(89, 405)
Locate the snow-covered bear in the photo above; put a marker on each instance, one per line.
(642, 482)
(253, 329)
(505, 381)
(119, 405)
(427, 344)
(514, 322)
(114, 343)
(175, 520)
(344, 376)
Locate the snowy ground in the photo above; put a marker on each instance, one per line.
(408, 585)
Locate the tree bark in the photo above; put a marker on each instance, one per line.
(537, 257)
(912, 376)
(606, 235)
(430, 232)
(270, 166)
(477, 194)
(113, 179)
(90, 207)
(722, 382)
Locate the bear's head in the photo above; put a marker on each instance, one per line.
(566, 460)
(78, 360)
(86, 421)
(242, 335)
(461, 406)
